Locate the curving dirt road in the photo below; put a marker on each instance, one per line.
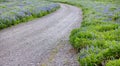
(41, 42)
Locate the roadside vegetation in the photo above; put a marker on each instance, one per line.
(1, 0)
(98, 38)
(13, 12)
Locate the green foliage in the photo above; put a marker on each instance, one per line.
(2, 25)
(113, 63)
(107, 27)
(98, 38)
(95, 56)
(2, 0)
(13, 12)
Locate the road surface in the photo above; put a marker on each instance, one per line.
(41, 42)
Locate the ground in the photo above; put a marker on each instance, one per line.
(43, 41)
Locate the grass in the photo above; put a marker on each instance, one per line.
(113, 63)
(13, 12)
(98, 38)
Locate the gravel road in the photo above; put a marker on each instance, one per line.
(41, 42)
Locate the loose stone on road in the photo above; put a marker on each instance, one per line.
(41, 40)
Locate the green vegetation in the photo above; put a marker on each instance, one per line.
(14, 12)
(2, 0)
(113, 63)
(98, 38)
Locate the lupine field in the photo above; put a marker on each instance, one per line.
(13, 12)
(98, 39)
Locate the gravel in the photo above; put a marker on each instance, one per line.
(34, 42)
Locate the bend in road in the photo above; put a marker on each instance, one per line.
(26, 43)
